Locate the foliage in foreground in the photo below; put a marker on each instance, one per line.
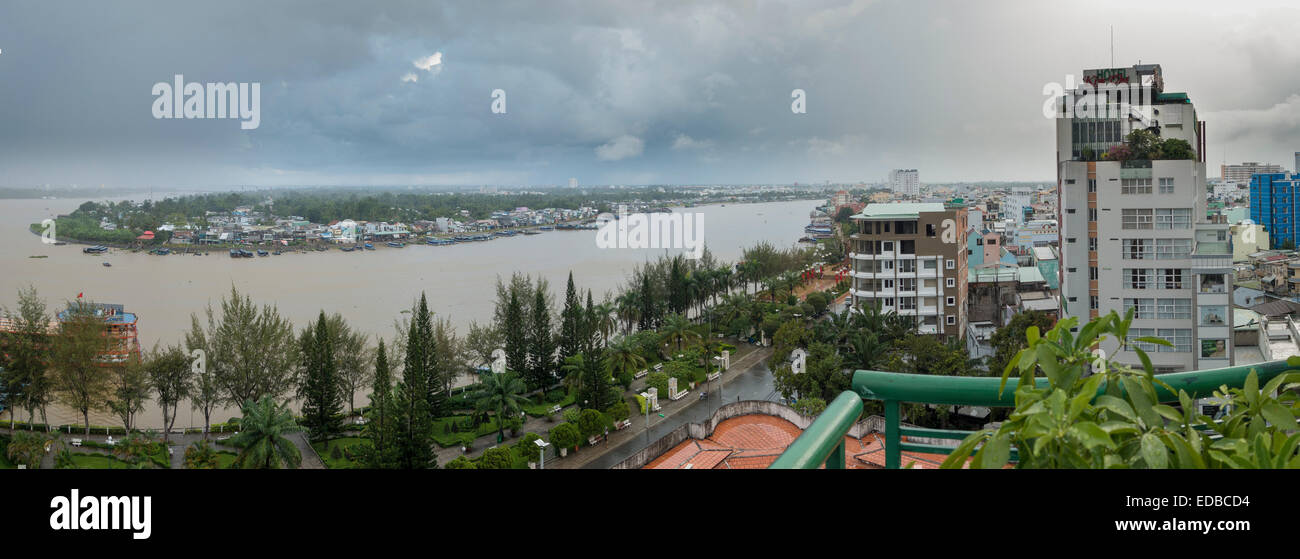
(1113, 418)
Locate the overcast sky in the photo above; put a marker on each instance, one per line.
(645, 92)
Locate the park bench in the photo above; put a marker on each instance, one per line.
(623, 424)
(110, 441)
(76, 442)
(715, 375)
(593, 440)
(642, 373)
(659, 367)
(555, 409)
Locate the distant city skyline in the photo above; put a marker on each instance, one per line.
(403, 93)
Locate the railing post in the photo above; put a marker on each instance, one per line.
(893, 454)
(836, 460)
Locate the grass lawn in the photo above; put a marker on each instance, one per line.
(225, 459)
(97, 462)
(325, 449)
(445, 439)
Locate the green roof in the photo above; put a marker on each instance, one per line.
(1172, 97)
(898, 209)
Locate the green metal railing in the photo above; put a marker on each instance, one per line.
(822, 442)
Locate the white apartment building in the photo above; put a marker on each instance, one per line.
(1134, 234)
(1242, 173)
(904, 183)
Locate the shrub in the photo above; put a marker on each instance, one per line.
(1114, 419)
(619, 411)
(527, 448)
(499, 458)
(460, 463)
(810, 406)
(571, 415)
(658, 380)
(640, 403)
(592, 423)
(565, 435)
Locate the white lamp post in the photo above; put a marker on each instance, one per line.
(542, 445)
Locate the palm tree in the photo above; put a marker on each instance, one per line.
(628, 308)
(262, 442)
(501, 393)
(606, 321)
(621, 357)
(677, 329)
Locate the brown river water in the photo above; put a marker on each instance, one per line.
(370, 288)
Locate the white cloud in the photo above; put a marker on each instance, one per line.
(621, 147)
(686, 142)
(431, 64)
(410, 77)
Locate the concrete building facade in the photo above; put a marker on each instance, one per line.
(1134, 234)
(910, 258)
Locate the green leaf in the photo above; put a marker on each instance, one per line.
(1152, 340)
(994, 454)
(1278, 415)
(1141, 402)
(1118, 406)
(1091, 434)
(1031, 335)
(1146, 360)
(957, 458)
(1169, 412)
(1047, 361)
(1154, 452)
(1119, 428)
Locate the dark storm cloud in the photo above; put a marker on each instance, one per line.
(606, 92)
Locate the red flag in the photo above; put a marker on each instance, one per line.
(78, 294)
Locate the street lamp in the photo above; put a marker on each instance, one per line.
(542, 445)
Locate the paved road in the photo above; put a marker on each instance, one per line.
(753, 383)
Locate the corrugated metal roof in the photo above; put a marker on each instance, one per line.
(899, 209)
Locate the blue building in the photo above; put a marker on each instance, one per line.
(1273, 205)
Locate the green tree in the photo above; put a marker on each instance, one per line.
(206, 393)
(25, 373)
(677, 330)
(129, 390)
(571, 323)
(622, 360)
(541, 343)
(261, 438)
(1176, 148)
(414, 419)
(460, 463)
(591, 423)
(352, 358)
(251, 352)
(810, 406)
(1144, 144)
(27, 448)
(78, 349)
(516, 336)
(501, 393)
(322, 402)
(380, 428)
(496, 459)
(171, 377)
(1008, 340)
(565, 435)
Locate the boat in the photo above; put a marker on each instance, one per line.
(161, 251)
(107, 265)
(347, 249)
(59, 243)
(97, 249)
(532, 232)
(546, 228)
(263, 253)
(369, 246)
(440, 242)
(234, 253)
(394, 244)
(38, 256)
(277, 253)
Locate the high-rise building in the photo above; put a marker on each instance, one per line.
(910, 258)
(573, 183)
(1242, 173)
(1272, 204)
(904, 182)
(1297, 162)
(1134, 233)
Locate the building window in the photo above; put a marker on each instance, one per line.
(1213, 283)
(1169, 278)
(1092, 243)
(1070, 240)
(1176, 309)
(949, 264)
(1166, 185)
(889, 284)
(950, 301)
(1173, 248)
(1070, 211)
(907, 247)
(906, 266)
(1092, 185)
(1072, 270)
(906, 284)
(907, 303)
(1137, 249)
(1093, 274)
(1069, 181)
(1092, 214)
(1092, 302)
(949, 282)
(1135, 186)
(929, 229)
(930, 264)
(1136, 219)
(905, 227)
(887, 246)
(1136, 278)
(1143, 308)
(1175, 218)
(952, 319)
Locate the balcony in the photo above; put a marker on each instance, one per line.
(823, 441)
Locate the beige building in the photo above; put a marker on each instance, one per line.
(910, 258)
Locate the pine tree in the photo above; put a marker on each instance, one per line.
(590, 326)
(541, 344)
(572, 325)
(648, 317)
(380, 427)
(678, 297)
(322, 402)
(415, 422)
(516, 336)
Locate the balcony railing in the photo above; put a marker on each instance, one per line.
(822, 442)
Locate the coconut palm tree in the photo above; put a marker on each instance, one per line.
(621, 358)
(502, 393)
(628, 309)
(677, 329)
(606, 321)
(262, 441)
